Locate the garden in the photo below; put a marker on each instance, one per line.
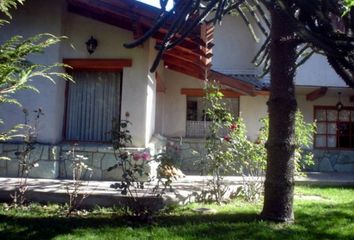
(321, 213)
(219, 211)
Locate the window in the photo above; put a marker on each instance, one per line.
(92, 102)
(197, 119)
(335, 129)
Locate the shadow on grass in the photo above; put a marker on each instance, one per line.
(332, 222)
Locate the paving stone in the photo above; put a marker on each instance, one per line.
(12, 168)
(3, 168)
(325, 165)
(10, 147)
(45, 152)
(344, 168)
(54, 153)
(106, 149)
(90, 148)
(114, 175)
(108, 161)
(96, 175)
(46, 169)
(345, 158)
(65, 147)
(36, 153)
(97, 160)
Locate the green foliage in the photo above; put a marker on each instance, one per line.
(348, 5)
(236, 153)
(16, 71)
(304, 133)
(7, 5)
(218, 158)
(136, 181)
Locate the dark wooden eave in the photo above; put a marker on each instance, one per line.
(316, 94)
(191, 57)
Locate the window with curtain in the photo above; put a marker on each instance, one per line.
(335, 129)
(93, 101)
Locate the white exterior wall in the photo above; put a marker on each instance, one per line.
(252, 109)
(43, 17)
(317, 72)
(234, 47)
(307, 107)
(175, 105)
(139, 86)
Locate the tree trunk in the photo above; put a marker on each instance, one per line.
(279, 183)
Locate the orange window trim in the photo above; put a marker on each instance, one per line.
(198, 92)
(97, 64)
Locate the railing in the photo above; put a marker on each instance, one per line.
(200, 129)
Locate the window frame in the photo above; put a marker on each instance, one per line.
(200, 93)
(93, 65)
(337, 121)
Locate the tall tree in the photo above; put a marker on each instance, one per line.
(296, 29)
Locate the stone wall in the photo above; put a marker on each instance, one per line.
(47, 157)
(53, 161)
(333, 161)
(189, 153)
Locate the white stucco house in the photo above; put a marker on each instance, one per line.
(167, 104)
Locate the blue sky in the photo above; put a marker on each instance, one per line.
(156, 3)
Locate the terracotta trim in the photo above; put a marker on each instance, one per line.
(97, 64)
(198, 92)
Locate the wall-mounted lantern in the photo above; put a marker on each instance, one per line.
(91, 45)
(339, 105)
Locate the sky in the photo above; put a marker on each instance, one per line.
(156, 3)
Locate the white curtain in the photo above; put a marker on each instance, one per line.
(93, 101)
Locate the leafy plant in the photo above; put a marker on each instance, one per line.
(75, 188)
(218, 158)
(144, 190)
(304, 133)
(16, 71)
(25, 160)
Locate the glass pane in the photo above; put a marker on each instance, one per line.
(320, 141)
(344, 128)
(352, 116)
(332, 115)
(332, 141)
(332, 128)
(321, 115)
(321, 128)
(344, 142)
(344, 115)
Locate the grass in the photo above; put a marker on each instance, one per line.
(321, 213)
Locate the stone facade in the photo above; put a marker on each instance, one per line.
(46, 156)
(53, 161)
(333, 161)
(189, 153)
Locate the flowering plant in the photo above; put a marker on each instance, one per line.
(136, 178)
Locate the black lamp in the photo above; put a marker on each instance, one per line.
(91, 45)
(339, 105)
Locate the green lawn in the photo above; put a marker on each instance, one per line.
(321, 213)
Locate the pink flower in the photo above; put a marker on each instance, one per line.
(136, 156)
(227, 138)
(233, 126)
(145, 156)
